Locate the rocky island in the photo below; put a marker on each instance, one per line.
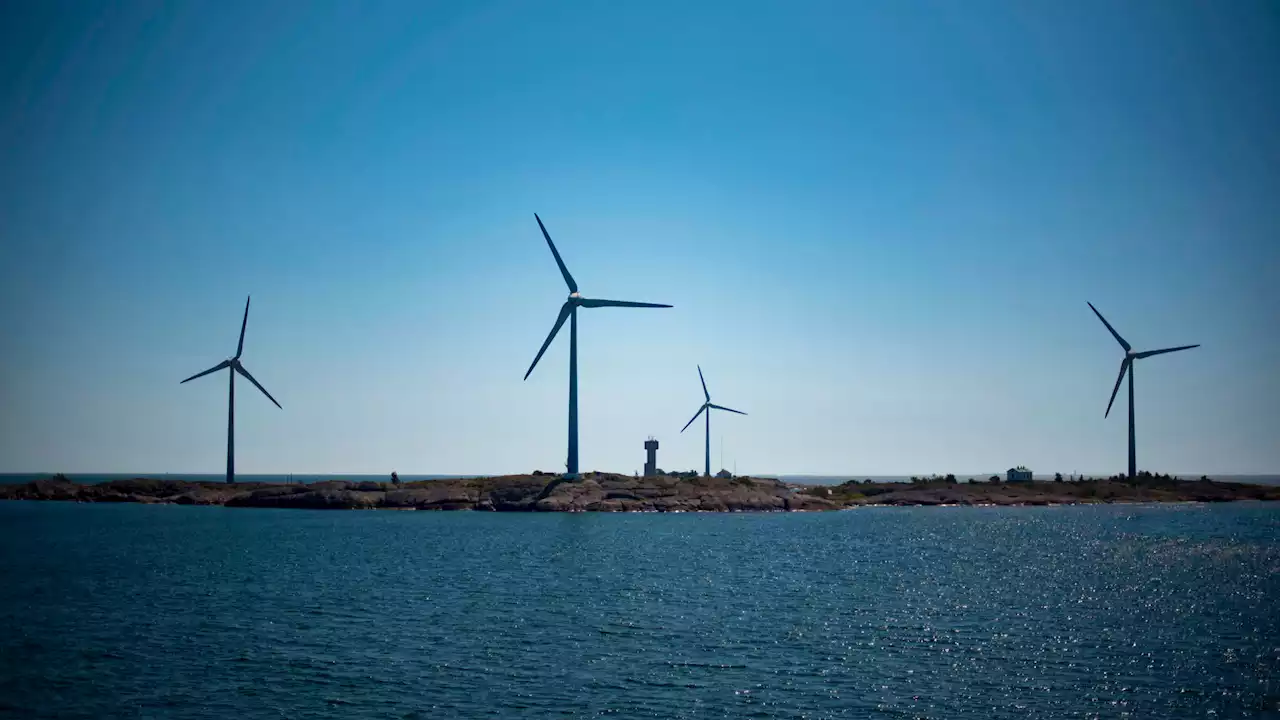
(604, 492)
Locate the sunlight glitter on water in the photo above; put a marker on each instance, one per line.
(127, 610)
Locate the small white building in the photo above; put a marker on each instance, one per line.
(1019, 474)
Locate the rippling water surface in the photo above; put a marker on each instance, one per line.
(182, 612)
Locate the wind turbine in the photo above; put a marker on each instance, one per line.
(1126, 366)
(570, 311)
(236, 367)
(707, 406)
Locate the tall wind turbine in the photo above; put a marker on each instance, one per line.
(1126, 366)
(707, 406)
(236, 367)
(570, 311)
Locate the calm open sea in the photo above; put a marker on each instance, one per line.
(192, 612)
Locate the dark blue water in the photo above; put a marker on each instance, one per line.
(182, 612)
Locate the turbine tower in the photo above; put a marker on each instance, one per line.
(236, 367)
(707, 406)
(569, 311)
(1126, 366)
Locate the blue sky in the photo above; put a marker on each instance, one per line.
(879, 223)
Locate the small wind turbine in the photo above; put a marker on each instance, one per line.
(570, 311)
(236, 367)
(1126, 366)
(707, 406)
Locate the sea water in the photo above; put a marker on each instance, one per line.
(136, 611)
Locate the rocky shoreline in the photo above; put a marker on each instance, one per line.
(595, 492)
(602, 492)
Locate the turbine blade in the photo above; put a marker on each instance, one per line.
(695, 417)
(721, 407)
(215, 368)
(1124, 365)
(565, 309)
(1114, 334)
(245, 321)
(704, 384)
(240, 369)
(586, 302)
(568, 279)
(1149, 353)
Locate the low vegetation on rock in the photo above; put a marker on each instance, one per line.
(1146, 487)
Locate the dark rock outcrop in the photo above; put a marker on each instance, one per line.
(603, 492)
(595, 492)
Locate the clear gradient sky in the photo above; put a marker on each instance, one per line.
(878, 221)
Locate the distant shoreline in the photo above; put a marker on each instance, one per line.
(601, 492)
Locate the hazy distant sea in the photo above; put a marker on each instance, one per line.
(142, 611)
(90, 478)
